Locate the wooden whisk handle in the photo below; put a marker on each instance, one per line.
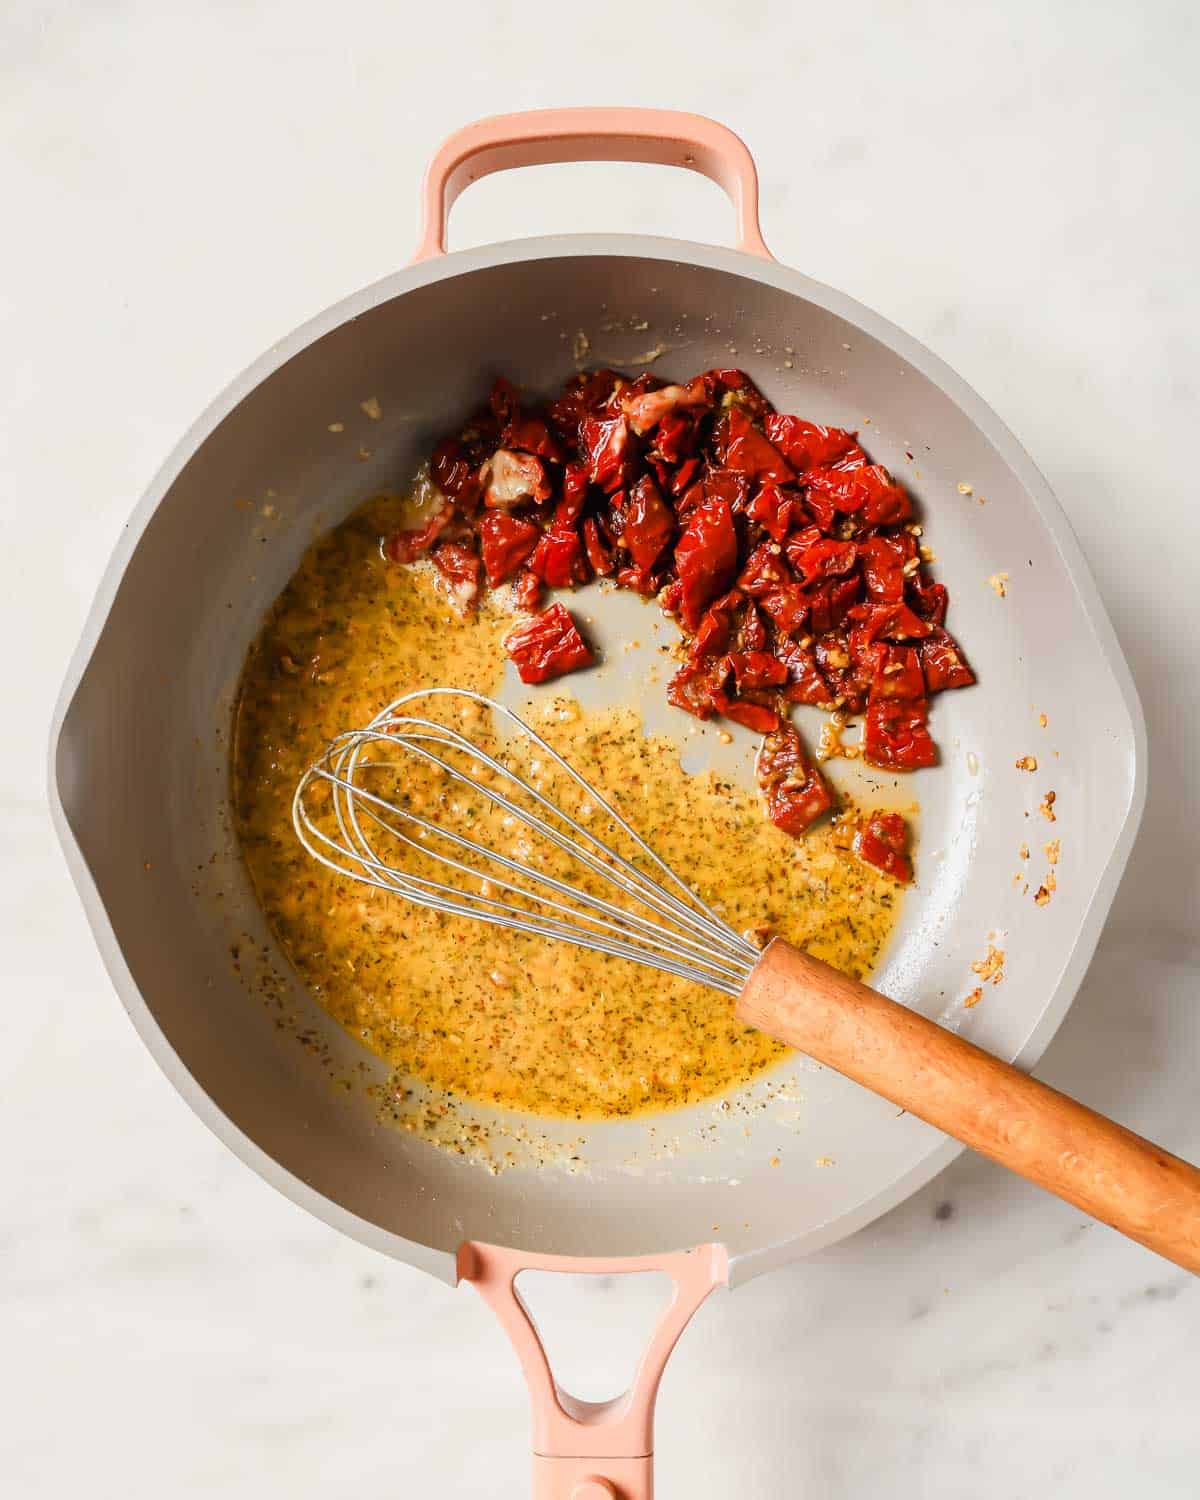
(1139, 1189)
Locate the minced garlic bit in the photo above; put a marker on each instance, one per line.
(363, 455)
(998, 582)
(990, 968)
(580, 345)
(774, 1161)
(973, 998)
(927, 554)
(1023, 851)
(1052, 850)
(1046, 807)
(725, 737)
(1043, 720)
(372, 408)
(966, 489)
(1044, 891)
(1027, 763)
(826, 1161)
(337, 426)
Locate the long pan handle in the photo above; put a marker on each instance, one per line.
(1115, 1176)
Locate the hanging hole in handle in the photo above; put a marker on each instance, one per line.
(594, 1328)
(592, 197)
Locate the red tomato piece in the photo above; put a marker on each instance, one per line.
(705, 558)
(528, 592)
(899, 676)
(574, 495)
(740, 446)
(558, 559)
(787, 607)
(822, 559)
(883, 559)
(929, 599)
(807, 445)
(804, 682)
(777, 510)
(796, 793)
(529, 434)
(868, 489)
(756, 669)
(460, 567)
(715, 630)
(895, 737)
(605, 444)
(584, 396)
(407, 546)
(455, 474)
(754, 716)
(649, 523)
(726, 484)
(764, 571)
(513, 478)
(684, 475)
(942, 662)
(648, 409)
(883, 842)
(598, 553)
(695, 686)
(506, 541)
(639, 580)
(829, 603)
(894, 622)
(547, 646)
(675, 438)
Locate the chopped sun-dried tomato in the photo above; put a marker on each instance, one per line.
(942, 662)
(407, 546)
(742, 447)
(528, 591)
(776, 509)
(756, 669)
(505, 541)
(883, 842)
(513, 478)
(599, 554)
(558, 559)
(574, 495)
(806, 445)
(649, 523)
(460, 568)
(605, 443)
(548, 645)
(455, 475)
(796, 793)
(705, 558)
(777, 544)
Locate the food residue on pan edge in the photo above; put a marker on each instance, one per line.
(559, 1032)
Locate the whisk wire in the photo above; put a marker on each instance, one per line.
(694, 944)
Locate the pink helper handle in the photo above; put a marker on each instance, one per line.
(537, 137)
(591, 1450)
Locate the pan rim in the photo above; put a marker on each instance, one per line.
(942, 1151)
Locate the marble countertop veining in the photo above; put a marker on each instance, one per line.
(1014, 184)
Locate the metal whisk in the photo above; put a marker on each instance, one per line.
(368, 834)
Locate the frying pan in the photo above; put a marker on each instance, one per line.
(140, 778)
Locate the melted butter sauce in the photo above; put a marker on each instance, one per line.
(509, 1019)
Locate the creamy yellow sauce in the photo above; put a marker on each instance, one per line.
(509, 1019)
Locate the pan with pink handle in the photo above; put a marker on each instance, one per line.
(140, 785)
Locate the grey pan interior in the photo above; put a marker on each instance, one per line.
(139, 775)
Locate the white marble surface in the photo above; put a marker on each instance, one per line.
(186, 181)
